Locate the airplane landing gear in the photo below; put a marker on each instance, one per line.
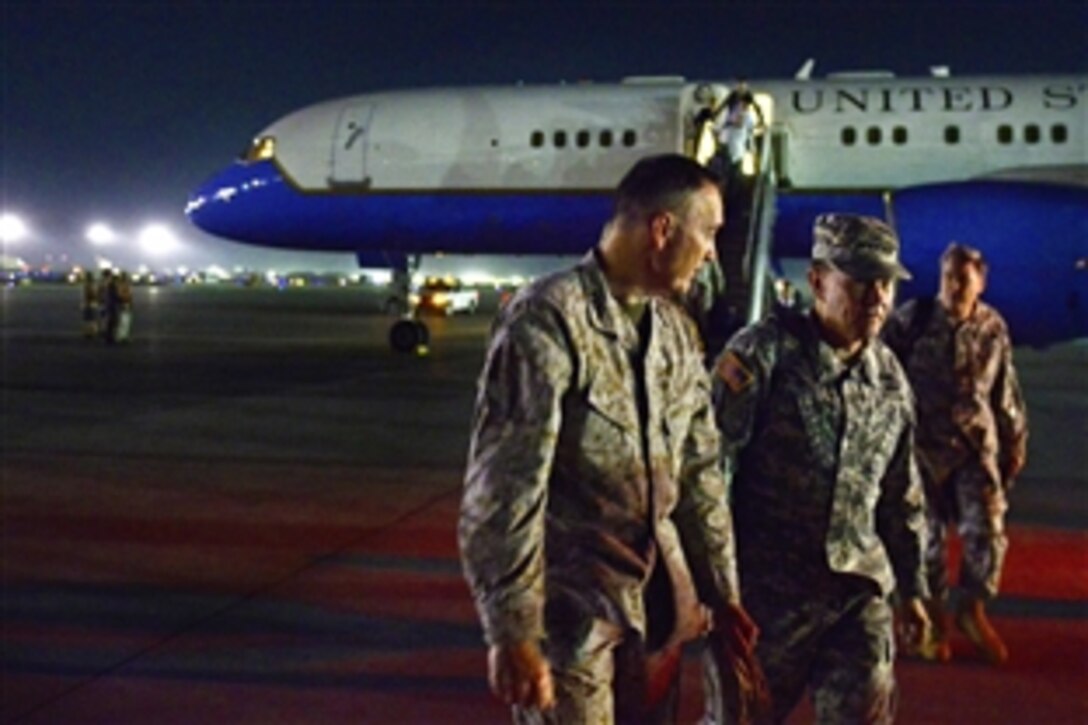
(409, 335)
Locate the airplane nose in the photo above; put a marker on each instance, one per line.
(225, 204)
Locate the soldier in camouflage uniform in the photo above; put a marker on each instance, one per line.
(972, 438)
(593, 527)
(817, 431)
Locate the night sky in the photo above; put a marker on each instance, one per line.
(114, 111)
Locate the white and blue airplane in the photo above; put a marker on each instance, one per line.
(997, 162)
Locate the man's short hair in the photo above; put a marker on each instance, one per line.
(661, 183)
(961, 254)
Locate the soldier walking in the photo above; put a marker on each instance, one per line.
(817, 435)
(972, 439)
(594, 532)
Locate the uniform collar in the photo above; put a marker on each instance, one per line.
(604, 311)
(828, 366)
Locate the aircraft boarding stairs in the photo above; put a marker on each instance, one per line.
(743, 250)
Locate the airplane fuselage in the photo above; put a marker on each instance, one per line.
(530, 170)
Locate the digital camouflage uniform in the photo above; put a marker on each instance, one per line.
(592, 467)
(828, 509)
(971, 417)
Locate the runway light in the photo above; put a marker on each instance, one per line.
(100, 234)
(158, 240)
(12, 228)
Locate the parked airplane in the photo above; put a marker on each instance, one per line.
(998, 162)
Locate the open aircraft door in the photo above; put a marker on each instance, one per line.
(350, 146)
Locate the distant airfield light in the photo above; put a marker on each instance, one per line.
(12, 228)
(477, 278)
(157, 240)
(100, 234)
(102, 263)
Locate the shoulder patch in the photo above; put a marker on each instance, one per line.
(733, 372)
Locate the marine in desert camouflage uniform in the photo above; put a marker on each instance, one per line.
(817, 428)
(971, 442)
(593, 527)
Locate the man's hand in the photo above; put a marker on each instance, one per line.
(520, 675)
(733, 621)
(915, 629)
(743, 695)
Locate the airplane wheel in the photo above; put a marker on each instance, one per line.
(408, 335)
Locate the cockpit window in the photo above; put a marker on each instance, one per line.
(262, 149)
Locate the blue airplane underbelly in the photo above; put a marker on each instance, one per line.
(1032, 233)
(253, 203)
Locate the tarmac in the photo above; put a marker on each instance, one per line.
(248, 513)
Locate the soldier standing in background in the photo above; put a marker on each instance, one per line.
(817, 431)
(972, 439)
(594, 532)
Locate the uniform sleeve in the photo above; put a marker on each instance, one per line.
(740, 375)
(1010, 412)
(702, 514)
(514, 434)
(901, 521)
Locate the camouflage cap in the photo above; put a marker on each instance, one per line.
(861, 246)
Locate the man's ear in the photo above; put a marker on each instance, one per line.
(660, 229)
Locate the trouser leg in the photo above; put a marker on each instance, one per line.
(601, 680)
(582, 672)
(789, 633)
(852, 676)
(936, 553)
(982, 507)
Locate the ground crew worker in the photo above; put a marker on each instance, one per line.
(89, 306)
(593, 532)
(972, 439)
(817, 430)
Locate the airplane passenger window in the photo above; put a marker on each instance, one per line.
(1004, 134)
(899, 135)
(1059, 133)
(606, 138)
(849, 136)
(629, 137)
(873, 135)
(536, 140)
(1031, 133)
(582, 139)
(952, 135)
(560, 139)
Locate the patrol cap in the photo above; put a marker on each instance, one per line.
(863, 247)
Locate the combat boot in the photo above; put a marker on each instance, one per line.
(937, 648)
(972, 621)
